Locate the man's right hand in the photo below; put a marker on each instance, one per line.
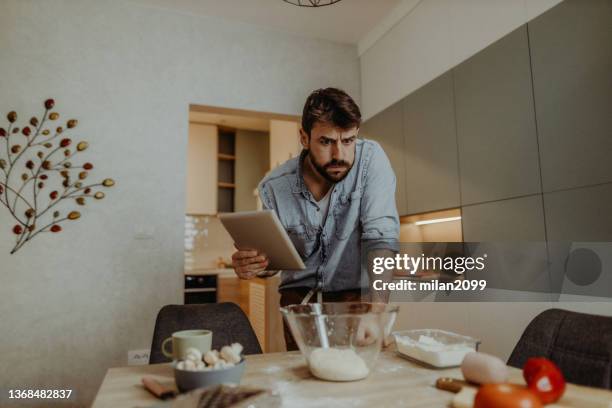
(247, 263)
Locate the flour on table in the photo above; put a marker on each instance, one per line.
(335, 364)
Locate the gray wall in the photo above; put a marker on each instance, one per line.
(252, 163)
(73, 304)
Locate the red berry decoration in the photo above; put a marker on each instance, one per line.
(544, 378)
(36, 166)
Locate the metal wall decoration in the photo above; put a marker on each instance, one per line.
(311, 3)
(38, 177)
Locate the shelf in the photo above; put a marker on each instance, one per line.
(223, 156)
(222, 184)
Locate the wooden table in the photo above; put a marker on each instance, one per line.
(394, 382)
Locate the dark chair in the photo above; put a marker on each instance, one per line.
(580, 344)
(227, 321)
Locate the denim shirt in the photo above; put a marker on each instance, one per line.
(362, 207)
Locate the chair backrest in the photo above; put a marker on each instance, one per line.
(580, 344)
(227, 321)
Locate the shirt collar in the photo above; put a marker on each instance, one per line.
(300, 186)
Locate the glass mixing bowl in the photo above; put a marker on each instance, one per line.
(345, 337)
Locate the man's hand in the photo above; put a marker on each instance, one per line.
(368, 331)
(247, 263)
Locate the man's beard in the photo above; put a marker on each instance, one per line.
(322, 168)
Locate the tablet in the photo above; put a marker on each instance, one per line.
(262, 230)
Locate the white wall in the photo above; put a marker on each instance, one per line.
(73, 304)
(433, 37)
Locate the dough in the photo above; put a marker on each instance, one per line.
(237, 347)
(193, 354)
(211, 357)
(335, 364)
(229, 355)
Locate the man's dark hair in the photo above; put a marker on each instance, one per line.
(331, 106)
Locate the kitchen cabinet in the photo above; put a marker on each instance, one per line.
(496, 128)
(430, 153)
(252, 163)
(579, 228)
(224, 166)
(572, 79)
(386, 128)
(202, 169)
(232, 289)
(512, 234)
(264, 313)
(515, 220)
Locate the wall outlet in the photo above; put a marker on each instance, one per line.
(138, 357)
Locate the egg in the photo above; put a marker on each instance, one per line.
(484, 368)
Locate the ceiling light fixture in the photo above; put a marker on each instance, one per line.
(311, 3)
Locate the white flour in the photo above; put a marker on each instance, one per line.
(433, 352)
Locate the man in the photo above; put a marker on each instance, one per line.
(338, 194)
